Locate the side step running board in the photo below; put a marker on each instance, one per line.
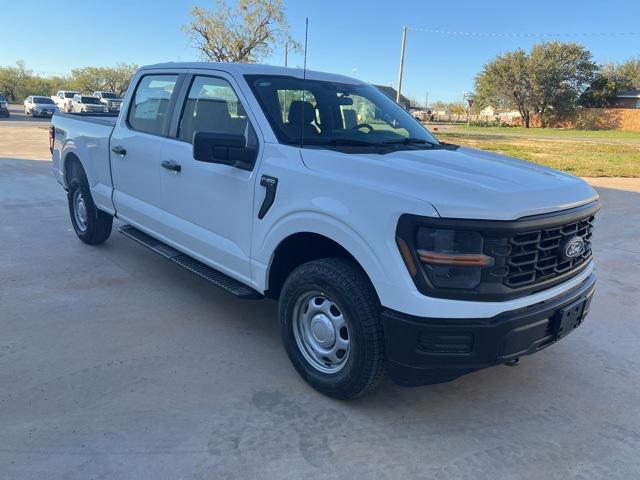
(214, 276)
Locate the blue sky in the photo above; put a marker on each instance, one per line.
(357, 38)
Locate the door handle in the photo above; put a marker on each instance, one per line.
(271, 184)
(119, 150)
(171, 165)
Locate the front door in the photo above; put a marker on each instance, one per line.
(211, 204)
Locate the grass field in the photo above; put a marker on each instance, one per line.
(589, 153)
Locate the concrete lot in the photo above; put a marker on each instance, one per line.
(116, 364)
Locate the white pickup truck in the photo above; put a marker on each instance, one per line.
(64, 99)
(110, 99)
(387, 250)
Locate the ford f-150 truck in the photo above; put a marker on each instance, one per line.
(387, 250)
(63, 99)
(110, 99)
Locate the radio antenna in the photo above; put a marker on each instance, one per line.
(304, 77)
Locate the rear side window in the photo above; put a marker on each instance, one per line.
(150, 104)
(212, 106)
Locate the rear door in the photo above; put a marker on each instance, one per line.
(210, 204)
(135, 147)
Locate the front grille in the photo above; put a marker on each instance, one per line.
(537, 255)
(529, 254)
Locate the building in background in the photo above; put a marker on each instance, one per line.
(627, 99)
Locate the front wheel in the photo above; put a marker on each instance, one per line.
(331, 327)
(91, 225)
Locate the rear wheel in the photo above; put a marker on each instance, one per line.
(91, 225)
(331, 327)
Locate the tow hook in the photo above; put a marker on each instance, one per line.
(513, 363)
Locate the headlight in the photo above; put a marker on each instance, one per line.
(452, 258)
(441, 257)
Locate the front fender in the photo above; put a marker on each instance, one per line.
(320, 224)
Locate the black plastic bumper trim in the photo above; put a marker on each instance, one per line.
(456, 346)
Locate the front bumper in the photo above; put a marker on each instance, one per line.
(433, 350)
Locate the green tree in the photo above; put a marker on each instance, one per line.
(547, 81)
(245, 34)
(113, 79)
(13, 81)
(629, 73)
(559, 74)
(600, 93)
(610, 79)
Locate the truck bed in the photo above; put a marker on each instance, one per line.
(107, 119)
(87, 136)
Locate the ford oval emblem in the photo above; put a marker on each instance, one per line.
(573, 247)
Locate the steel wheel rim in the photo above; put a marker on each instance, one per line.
(321, 332)
(80, 210)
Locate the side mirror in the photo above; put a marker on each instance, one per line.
(224, 148)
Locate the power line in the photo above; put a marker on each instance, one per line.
(521, 34)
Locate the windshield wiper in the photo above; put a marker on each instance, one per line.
(409, 141)
(352, 141)
(337, 142)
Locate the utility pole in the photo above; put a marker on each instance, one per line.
(404, 42)
(286, 54)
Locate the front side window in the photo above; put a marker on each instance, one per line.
(148, 112)
(317, 113)
(212, 106)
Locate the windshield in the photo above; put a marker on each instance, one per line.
(2, 98)
(46, 100)
(86, 99)
(319, 113)
(69, 94)
(109, 95)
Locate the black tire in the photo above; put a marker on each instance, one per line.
(97, 224)
(346, 285)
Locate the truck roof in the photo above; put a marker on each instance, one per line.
(255, 69)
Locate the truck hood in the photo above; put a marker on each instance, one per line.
(461, 183)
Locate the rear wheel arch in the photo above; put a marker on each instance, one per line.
(72, 167)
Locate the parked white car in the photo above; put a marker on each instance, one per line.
(63, 99)
(388, 250)
(88, 104)
(110, 99)
(39, 106)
